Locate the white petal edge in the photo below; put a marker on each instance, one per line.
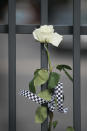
(35, 34)
(56, 39)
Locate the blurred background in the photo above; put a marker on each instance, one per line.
(28, 59)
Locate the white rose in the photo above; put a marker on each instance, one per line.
(46, 29)
(45, 34)
(55, 39)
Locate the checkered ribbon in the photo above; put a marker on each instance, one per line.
(58, 94)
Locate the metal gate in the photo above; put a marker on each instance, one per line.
(12, 29)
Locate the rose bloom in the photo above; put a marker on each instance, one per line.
(46, 34)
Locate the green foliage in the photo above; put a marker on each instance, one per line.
(68, 75)
(32, 87)
(36, 71)
(56, 101)
(53, 80)
(65, 68)
(55, 124)
(41, 114)
(40, 77)
(61, 67)
(45, 95)
(70, 129)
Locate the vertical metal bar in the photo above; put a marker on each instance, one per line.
(76, 66)
(44, 60)
(12, 64)
(44, 12)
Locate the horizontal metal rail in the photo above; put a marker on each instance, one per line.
(27, 29)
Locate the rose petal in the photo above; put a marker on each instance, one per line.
(55, 39)
(35, 34)
(47, 29)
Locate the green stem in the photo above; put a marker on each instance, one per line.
(68, 75)
(49, 61)
(50, 70)
(50, 126)
(51, 120)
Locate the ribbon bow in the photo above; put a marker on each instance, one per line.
(58, 94)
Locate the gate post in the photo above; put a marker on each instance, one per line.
(12, 63)
(44, 60)
(76, 66)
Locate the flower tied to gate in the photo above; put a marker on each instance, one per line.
(45, 34)
(53, 95)
(57, 94)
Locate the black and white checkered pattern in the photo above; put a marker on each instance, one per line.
(51, 104)
(58, 93)
(33, 97)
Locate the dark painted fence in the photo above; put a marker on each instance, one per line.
(12, 29)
